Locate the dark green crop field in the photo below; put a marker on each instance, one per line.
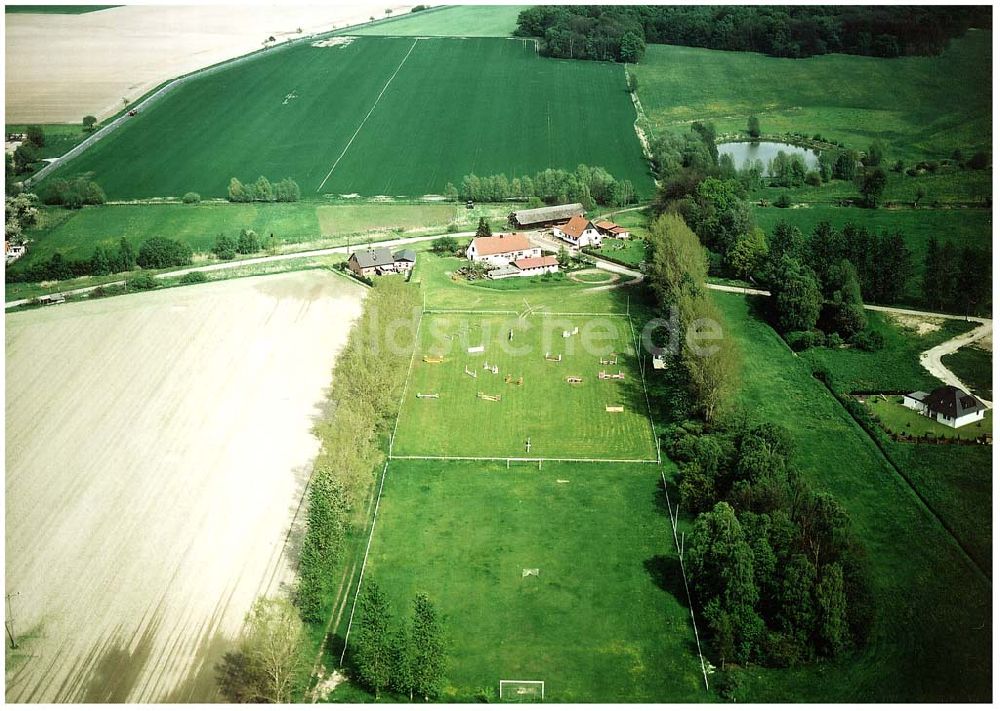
(922, 107)
(379, 116)
(54, 9)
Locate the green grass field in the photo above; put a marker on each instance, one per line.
(631, 251)
(562, 420)
(922, 107)
(898, 419)
(457, 21)
(933, 629)
(605, 620)
(380, 116)
(894, 368)
(974, 367)
(443, 291)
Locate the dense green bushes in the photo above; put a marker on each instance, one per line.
(364, 398)
(262, 190)
(779, 576)
(587, 185)
(161, 252)
(72, 193)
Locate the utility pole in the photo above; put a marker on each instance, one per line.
(9, 624)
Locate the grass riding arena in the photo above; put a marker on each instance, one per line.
(604, 619)
(476, 412)
(374, 116)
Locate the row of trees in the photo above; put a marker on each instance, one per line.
(367, 381)
(154, 253)
(587, 185)
(678, 266)
(620, 33)
(406, 657)
(779, 576)
(958, 279)
(247, 242)
(262, 190)
(30, 150)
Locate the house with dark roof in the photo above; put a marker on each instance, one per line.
(947, 405)
(376, 261)
(579, 232)
(545, 216)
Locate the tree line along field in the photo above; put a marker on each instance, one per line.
(922, 107)
(972, 227)
(562, 420)
(377, 116)
(932, 628)
(456, 21)
(605, 619)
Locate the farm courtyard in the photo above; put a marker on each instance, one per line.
(157, 449)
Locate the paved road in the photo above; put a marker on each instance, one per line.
(930, 359)
(257, 260)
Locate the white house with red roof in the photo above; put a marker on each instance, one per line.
(579, 232)
(501, 250)
(530, 266)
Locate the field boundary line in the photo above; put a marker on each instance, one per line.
(364, 563)
(645, 392)
(444, 458)
(367, 116)
(406, 380)
(616, 314)
(687, 591)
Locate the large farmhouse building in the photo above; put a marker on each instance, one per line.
(947, 405)
(501, 250)
(379, 260)
(546, 216)
(579, 232)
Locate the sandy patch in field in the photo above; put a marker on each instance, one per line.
(334, 42)
(63, 67)
(921, 324)
(157, 450)
(985, 344)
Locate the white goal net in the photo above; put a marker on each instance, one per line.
(512, 690)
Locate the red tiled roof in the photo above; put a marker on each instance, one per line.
(534, 262)
(575, 227)
(501, 244)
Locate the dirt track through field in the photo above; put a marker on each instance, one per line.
(157, 448)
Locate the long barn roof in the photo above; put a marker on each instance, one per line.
(548, 214)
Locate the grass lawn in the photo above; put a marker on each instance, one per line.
(562, 420)
(958, 482)
(330, 117)
(457, 21)
(902, 420)
(974, 367)
(443, 291)
(605, 620)
(630, 251)
(922, 107)
(348, 219)
(894, 368)
(932, 635)
(961, 227)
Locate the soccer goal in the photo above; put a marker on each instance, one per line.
(522, 690)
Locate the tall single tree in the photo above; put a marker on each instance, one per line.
(269, 659)
(429, 649)
(797, 296)
(832, 628)
(126, 255)
(88, 123)
(373, 648)
(753, 126)
(484, 229)
(873, 184)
